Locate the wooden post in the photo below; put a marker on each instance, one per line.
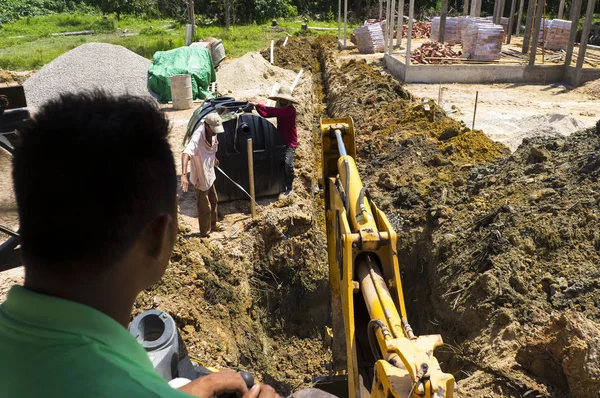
(380, 9)
(475, 110)
(513, 4)
(251, 177)
(466, 8)
(520, 18)
(574, 14)
(391, 27)
(528, 25)
(345, 19)
(272, 45)
(473, 8)
(478, 9)
(339, 19)
(411, 9)
(561, 9)
(585, 34)
(400, 22)
(442, 34)
(536, 32)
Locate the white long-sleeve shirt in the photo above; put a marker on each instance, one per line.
(202, 173)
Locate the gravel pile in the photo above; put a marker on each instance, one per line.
(112, 68)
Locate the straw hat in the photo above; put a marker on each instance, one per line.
(285, 94)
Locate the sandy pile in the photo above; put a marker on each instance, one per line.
(513, 131)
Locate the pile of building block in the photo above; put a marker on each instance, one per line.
(482, 40)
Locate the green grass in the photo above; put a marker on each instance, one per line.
(28, 44)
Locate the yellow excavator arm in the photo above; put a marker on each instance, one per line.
(373, 343)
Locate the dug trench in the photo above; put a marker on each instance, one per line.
(498, 251)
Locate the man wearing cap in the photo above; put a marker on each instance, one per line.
(202, 150)
(286, 124)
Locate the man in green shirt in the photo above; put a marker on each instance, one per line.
(96, 190)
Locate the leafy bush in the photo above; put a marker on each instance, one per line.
(104, 25)
(152, 31)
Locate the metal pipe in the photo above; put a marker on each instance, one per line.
(340, 143)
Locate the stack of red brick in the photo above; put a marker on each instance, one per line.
(433, 52)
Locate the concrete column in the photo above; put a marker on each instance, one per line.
(587, 25)
(391, 28)
(411, 10)
(345, 20)
(400, 22)
(386, 33)
(339, 19)
(536, 28)
(443, 15)
(473, 8)
(574, 14)
(520, 18)
(528, 25)
(511, 19)
(561, 8)
(466, 8)
(495, 14)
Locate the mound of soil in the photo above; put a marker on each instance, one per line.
(255, 297)
(499, 252)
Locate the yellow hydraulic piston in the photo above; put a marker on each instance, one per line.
(362, 258)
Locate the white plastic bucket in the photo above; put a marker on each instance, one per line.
(181, 91)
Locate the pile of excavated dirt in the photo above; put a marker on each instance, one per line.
(590, 88)
(498, 252)
(297, 54)
(256, 296)
(10, 78)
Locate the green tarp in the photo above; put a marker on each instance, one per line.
(194, 61)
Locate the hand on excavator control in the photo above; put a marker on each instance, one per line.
(214, 384)
(226, 382)
(262, 391)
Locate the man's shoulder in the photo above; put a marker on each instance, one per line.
(80, 368)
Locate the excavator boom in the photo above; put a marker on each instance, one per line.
(373, 343)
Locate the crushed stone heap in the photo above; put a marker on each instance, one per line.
(104, 66)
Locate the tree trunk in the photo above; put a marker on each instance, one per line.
(227, 6)
(192, 18)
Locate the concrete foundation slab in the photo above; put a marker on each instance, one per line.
(485, 73)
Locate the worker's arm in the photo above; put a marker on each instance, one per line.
(185, 158)
(267, 111)
(225, 382)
